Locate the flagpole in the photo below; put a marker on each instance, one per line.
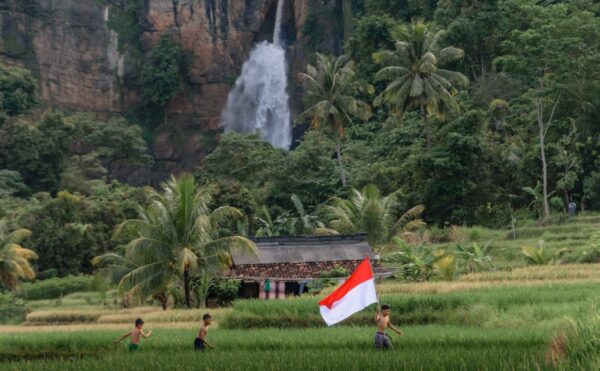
(371, 266)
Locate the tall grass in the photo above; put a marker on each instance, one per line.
(422, 347)
(480, 307)
(160, 316)
(105, 316)
(54, 288)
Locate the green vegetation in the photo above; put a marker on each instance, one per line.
(100, 146)
(15, 259)
(513, 323)
(54, 288)
(313, 349)
(464, 190)
(369, 212)
(331, 105)
(17, 92)
(415, 79)
(179, 234)
(37, 150)
(124, 18)
(164, 73)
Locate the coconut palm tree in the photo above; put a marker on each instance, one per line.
(415, 81)
(330, 99)
(367, 211)
(178, 233)
(14, 258)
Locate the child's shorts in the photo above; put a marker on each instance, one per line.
(382, 341)
(133, 347)
(199, 344)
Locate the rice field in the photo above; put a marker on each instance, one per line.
(57, 316)
(527, 319)
(513, 317)
(572, 235)
(422, 347)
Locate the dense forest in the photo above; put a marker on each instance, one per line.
(470, 112)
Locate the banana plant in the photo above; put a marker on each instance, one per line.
(540, 255)
(474, 258)
(201, 285)
(418, 261)
(445, 265)
(269, 227)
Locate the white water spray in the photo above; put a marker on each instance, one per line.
(259, 100)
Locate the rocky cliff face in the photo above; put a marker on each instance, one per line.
(75, 50)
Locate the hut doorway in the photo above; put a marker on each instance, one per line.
(249, 290)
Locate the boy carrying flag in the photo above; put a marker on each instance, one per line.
(382, 318)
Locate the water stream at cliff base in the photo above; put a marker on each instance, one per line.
(259, 101)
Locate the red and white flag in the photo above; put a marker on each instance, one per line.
(355, 294)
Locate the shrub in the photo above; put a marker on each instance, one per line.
(317, 285)
(64, 317)
(475, 234)
(540, 255)
(54, 288)
(225, 291)
(335, 273)
(13, 313)
(439, 235)
(5, 298)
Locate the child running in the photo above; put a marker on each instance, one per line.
(200, 342)
(135, 335)
(382, 318)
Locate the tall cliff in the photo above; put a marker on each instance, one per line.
(86, 55)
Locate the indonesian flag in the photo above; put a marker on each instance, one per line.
(355, 294)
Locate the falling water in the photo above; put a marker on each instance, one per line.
(259, 100)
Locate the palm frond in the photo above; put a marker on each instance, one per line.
(449, 54)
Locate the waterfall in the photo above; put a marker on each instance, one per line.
(277, 28)
(259, 101)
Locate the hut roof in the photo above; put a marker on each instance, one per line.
(274, 250)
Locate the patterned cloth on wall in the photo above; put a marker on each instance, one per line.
(274, 290)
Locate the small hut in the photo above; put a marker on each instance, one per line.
(285, 265)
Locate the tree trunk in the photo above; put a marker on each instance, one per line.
(186, 287)
(542, 134)
(482, 66)
(347, 14)
(162, 299)
(338, 149)
(426, 122)
(109, 171)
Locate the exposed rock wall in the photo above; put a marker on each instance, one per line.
(68, 46)
(75, 55)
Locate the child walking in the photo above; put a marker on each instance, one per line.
(200, 342)
(135, 335)
(382, 318)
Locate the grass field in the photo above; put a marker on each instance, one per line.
(513, 317)
(422, 347)
(511, 324)
(573, 235)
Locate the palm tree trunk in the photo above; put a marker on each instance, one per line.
(426, 122)
(338, 150)
(542, 134)
(186, 287)
(163, 300)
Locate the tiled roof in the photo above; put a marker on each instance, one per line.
(274, 250)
